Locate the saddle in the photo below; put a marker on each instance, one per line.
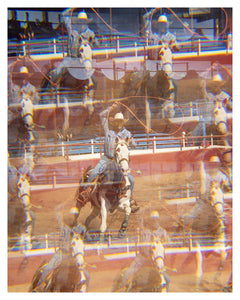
(111, 179)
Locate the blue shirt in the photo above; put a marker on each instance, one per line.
(110, 135)
(166, 38)
(220, 179)
(66, 232)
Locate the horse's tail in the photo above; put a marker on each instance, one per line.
(36, 277)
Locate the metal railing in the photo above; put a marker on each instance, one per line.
(139, 47)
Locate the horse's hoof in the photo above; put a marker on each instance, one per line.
(134, 209)
(122, 233)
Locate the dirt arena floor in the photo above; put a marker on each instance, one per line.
(146, 193)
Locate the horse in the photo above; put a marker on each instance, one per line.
(207, 219)
(69, 276)
(20, 122)
(151, 277)
(20, 216)
(108, 194)
(160, 85)
(220, 124)
(75, 75)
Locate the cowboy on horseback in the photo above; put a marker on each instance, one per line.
(77, 28)
(24, 89)
(68, 227)
(220, 102)
(164, 36)
(152, 231)
(118, 130)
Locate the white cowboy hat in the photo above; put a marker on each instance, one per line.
(214, 159)
(83, 18)
(118, 118)
(154, 214)
(217, 79)
(162, 19)
(74, 210)
(23, 72)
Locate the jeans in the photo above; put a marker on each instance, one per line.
(102, 166)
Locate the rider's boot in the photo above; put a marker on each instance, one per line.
(134, 206)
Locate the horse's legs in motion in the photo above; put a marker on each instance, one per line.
(88, 99)
(104, 211)
(222, 251)
(124, 204)
(94, 213)
(199, 271)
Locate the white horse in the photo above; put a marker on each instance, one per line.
(220, 120)
(69, 276)
(24, 197)
(22, 111)
(74, 74)
(77, 246)
(102, 202)
(158, 255)
(208, 217)
(150, 277)
(166, 57)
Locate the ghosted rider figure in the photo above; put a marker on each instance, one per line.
(68, 227)
(77, 28)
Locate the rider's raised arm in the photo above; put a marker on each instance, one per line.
(104, 116)
(147, 23)
(203, 175)
(67, 13)
(104, 119)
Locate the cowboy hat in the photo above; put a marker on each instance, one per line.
(162, 19)
(214, 159)
(82, 18)
(154, 214)
(23, 72)
(117, 118)
(218, 80)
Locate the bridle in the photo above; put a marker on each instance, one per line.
(119, 161)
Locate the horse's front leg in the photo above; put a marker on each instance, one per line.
(104, 210)
(94, 213)
(199, 271)
(124, 204)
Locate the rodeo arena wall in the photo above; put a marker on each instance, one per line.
(119, 150)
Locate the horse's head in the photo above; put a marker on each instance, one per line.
(122, 153)
(85, 53)
(77, 247)
(216, 200)
(220, 118)
(27, 116)
(157, 250)
(165, 54)
(23, 192)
